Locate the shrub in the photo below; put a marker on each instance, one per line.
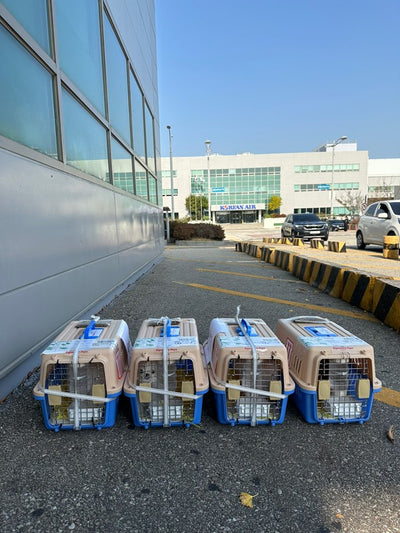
(183, 231)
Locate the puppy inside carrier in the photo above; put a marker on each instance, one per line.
(334, 371)
(248, 371)
(167, 377)
(82, 373)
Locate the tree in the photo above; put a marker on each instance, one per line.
(195, 205)
(274, 204)
(352, 201)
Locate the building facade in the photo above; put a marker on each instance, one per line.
(81, 205)
(241, 186)
(383, 179)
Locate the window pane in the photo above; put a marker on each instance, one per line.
(85, 139)
(117, 83)
(141, 181)
(122, 167)
(78, 34)
(33, 16)
(153, 190)
(137, 118)
(27, 101)
(150, 140)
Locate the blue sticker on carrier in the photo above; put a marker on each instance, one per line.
(172, 331)
(320, 331)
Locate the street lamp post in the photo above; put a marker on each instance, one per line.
(171, 170)
(208, 151)
(338, 141)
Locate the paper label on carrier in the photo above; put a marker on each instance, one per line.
(259, 342)
(84, 345)
(340, 342)
(123, 332)
(172, 342)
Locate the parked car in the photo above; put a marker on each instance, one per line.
(379, 219)
(305, 226)
(336, 224)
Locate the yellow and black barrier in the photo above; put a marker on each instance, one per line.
(391, 247)
(298, 242)
(327, 278)
(379, 296)
(284, 260)
(317, 243)
(358, 289)
(301, 268)
(386, 303)
(269, 255)
(274, 240)
(337, 246)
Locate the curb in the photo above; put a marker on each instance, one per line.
(371, 293)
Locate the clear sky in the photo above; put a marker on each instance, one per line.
(271, 76)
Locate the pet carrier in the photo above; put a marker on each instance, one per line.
(333, 370)
(167, 376)
(82, 374)
(248, 372)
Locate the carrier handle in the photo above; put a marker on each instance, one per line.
(244, 324)
(312, 319)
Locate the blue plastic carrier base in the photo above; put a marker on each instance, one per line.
(94, 417)
(263, 412)
(155, 418)
(333, 412)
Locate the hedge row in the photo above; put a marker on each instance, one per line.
(183, 231)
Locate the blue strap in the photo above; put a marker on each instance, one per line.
(88, 329)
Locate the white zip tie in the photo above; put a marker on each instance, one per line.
(73, 395)
(167, 392)
(245, 389)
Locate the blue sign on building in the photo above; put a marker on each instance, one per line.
(218, 189)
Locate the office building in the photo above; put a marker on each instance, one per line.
(242, 185)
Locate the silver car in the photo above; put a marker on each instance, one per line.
(379, 219)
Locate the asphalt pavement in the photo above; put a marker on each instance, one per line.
(304, 477)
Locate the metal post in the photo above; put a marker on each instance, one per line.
(208, 150)
(171, 170)
(338, 141)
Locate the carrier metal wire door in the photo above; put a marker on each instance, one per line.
(241, 404)
(89, 381)
(180, 377)
(343, 388)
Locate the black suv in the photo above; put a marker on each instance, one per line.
(305, 226)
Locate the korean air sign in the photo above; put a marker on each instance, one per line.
(237, 207)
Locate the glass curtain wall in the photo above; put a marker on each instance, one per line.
(81, 103)
(239, 185)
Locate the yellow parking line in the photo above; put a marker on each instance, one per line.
(320, 308)
(388, 396)
(246, 275)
